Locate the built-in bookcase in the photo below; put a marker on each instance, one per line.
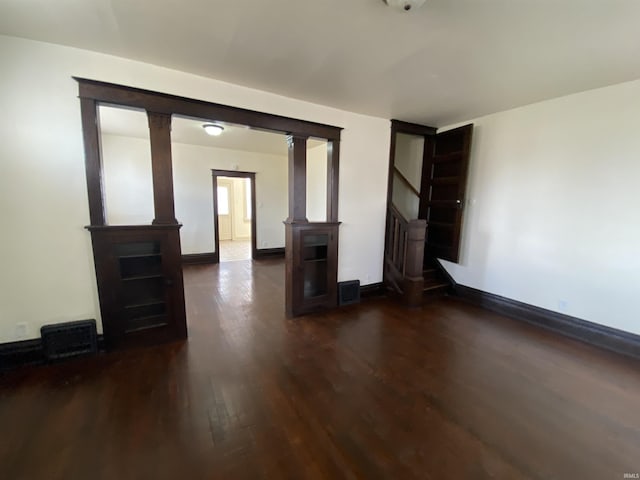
(140, 283)
(314, 256)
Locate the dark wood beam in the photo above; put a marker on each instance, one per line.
(297, 179)
(333, 174)
(114, 94)
(92, 159)
(160, 136)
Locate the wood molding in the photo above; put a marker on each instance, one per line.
(28, 352)
(115, 94)
(199, 258)
(333, 180)
(215, 173)
(161, 168)
(373, 290)
(93, 159)
(601, 336)
(269, 253)
(398, 126)
(297, 177)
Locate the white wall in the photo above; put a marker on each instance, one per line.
(317, 183)
(194, 194)
(127, 180)
(129, 190)
(242, 223)
(553, 197)
(47, 266)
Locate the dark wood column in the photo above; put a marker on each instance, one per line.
(297, 179)
(92, 159)
(333, 171)
(160, 136)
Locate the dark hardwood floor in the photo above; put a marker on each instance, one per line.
(371, 391)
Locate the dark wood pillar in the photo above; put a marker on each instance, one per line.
(160, 136)
(333, 171)
(297, 179)
(92, 159)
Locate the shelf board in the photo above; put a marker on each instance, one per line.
(315, 260)
(141, 277)
(145, 304)
(308, 245)
(140, 255)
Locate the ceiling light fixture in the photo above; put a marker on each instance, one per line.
(213, 129)
(405, 5)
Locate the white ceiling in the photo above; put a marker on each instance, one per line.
(448, 61)
(133, 123)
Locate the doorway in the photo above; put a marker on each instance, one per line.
(234, 211)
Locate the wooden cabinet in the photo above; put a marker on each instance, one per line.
(139, 284)
(312, 251)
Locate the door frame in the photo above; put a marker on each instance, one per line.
(215, 173)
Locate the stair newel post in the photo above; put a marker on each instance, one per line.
(414, 258)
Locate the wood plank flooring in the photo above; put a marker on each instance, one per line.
(369, 391)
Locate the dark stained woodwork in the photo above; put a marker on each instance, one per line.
(333, 180)
(161, 168)
(114, 94)
(311, 274)
(277, 252)
(367, 391)
(160, 108)
(92, 159)
(442, 197)
(140, 284)
(398, 126)
(216, 226)
(619, 341)
(199, 258)
(235, 174)
(403, 262)
(297, 178)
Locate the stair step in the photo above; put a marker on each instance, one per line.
(434, 286)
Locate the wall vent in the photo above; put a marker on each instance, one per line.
(349, 292)
(70, 339)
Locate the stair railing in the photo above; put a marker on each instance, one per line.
(404, 256)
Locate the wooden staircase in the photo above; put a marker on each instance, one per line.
(436, 284)
(407, 275)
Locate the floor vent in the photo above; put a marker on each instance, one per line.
(348, 292)
(71, 339)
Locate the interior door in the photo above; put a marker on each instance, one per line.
(444, 182)
(225, 201)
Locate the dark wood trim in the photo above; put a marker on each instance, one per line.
(269, 253)
(333, 180)
(601, 336)
(398, 126)
(297, 178)
(254, 229)
(114, 94)
(94, 228)
(216, 227)
(28, 352)
(92, 159)
(161, 168)
(199, 258)
(373, 290)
